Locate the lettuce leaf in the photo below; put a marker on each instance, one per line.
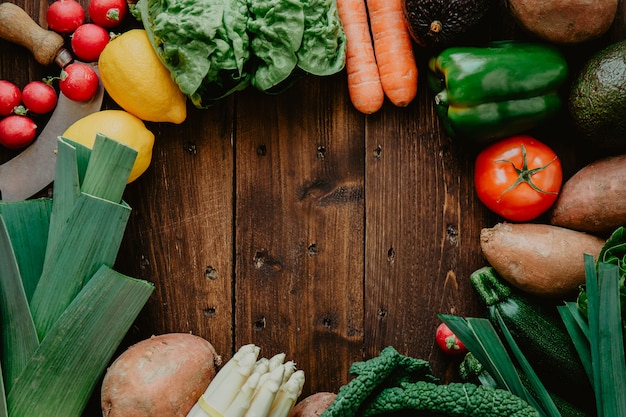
(323, 50)
(204, 44)
(276, 28)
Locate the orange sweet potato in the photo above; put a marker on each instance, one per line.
(161, 376)
(594, 199)
(540, 259)
(313, 405)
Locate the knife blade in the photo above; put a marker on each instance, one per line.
(33, 169)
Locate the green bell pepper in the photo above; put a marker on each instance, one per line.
(498, 90)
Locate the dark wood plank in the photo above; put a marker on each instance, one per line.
(422, 225)
(299, 228)
(180, 235)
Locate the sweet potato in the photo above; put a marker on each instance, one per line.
(313, 405)
(161, 376)
(564, 21)
(540, 259)
(594, 199)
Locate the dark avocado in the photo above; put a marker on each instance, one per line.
(435, 23)
(597, 101)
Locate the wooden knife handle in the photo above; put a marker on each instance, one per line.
(18, 27)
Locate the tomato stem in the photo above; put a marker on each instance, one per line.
(525, 175)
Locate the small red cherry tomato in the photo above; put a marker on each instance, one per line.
(448, 342)
(107, 13)
(79, 82)
(10, 97)
(64, 16)
(518, 178)
(88, 41)
(17, 131)
(39, 97)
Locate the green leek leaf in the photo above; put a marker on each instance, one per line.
(4, 412)
(543, 397)
(109, 168)
(66, 189)
(19, 338)
(77, 248)
(578, 330)
(90, 240)
(64, 370)
(499, 357)
(27, 223)
(463, 331)
(610, 345)
(481, 339)
(591, 284)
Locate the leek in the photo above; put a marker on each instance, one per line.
(94, 235)
(20, 337)
(606, 338)
(29, 242)
(59, 379)
(3, 398)
(64, 309)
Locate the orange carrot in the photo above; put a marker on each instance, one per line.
(394, 50)
(364, 85)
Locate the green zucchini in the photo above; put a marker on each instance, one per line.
(541, 335)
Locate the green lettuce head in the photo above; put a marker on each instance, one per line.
(213, 48)
(204, 44)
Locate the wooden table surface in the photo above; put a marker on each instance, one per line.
(301, 225)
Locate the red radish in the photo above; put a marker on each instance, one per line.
(107, 13)
(88, 41)
(79, 82)
(448, 342)
(10, 97)
(17, 131)
(39, 97)
(64, 16)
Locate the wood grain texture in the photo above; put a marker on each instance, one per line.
(297, 223)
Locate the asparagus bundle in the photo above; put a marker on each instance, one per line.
(249, 386)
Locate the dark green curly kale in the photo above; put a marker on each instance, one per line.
(455, 399)
(393, 382)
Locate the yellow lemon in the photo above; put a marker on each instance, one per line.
(137, 80)
(121, 126)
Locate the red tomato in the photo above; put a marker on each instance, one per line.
(17, 131)
(518, 178)
(79, 82)
(10, 97)
(64, 16)
(88, 41)
(107, 13)
(448, 342)
(39, 97)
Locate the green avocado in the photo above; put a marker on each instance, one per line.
(597, 101)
